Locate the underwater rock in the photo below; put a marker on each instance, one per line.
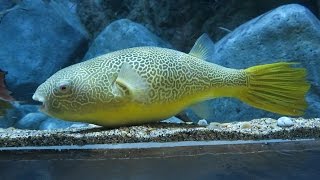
(202, 122)
(173, 120)
(6, 6)
(52, 123)
(7, 120)
(123, 34)
(288, 33)
(15, 113)
(28, 117)
(214, 125)
(25, 109)
(180, 22)
(246, 125)
(4, 92)
(37, 39)
(31, 121)
(5, 97)
(285, 122)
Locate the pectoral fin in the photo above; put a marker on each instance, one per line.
(131, 84)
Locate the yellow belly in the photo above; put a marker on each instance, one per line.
(132, 114)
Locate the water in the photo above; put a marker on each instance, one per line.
(40, 37)
(213, 162)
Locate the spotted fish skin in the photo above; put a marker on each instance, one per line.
(148, 84)
(174, 79)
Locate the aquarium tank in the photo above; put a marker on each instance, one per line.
(159, 89)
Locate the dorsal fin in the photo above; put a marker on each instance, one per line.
(130, 82)
(202, 48)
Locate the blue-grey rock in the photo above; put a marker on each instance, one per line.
(14, 114)
(173, 120)
(285, 122)
(5, 5)
(123, 34)
(202, 122)
(287, 33)
(68, 10)
(31, 121)
(52, 123)
(24, 109)
(37, 39)
(8, 119)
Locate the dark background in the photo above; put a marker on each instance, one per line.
(180, 22)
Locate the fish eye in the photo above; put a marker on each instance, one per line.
(64, 86)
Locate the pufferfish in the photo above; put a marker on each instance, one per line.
(148, 84)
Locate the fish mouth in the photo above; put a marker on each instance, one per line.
(40, 99)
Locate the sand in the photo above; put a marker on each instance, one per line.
(257, 129)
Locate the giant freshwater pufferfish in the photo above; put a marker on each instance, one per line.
(149, 84)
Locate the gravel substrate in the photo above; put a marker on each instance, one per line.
(257, 129)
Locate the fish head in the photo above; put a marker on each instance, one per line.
(64, 94)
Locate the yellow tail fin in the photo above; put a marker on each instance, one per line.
(276, 87)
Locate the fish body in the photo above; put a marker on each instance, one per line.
(148, 84)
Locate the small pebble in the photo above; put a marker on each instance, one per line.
(271, 127)
(269, 121)
(202, 122)
(225, 125)
(246, 125)
(317, 124)
(173, 120)
(285, 122)
(214, 125)
(93, 126)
